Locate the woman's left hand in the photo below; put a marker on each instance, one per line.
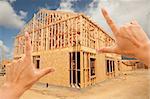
(21, 74)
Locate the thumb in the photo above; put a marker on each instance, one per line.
(107, 50)
(45, 71)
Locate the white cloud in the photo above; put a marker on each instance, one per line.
(66, 5)
(8, 17)
(11, 1)
(23, 14)
(4, 50)
(94, 11)
(4, 47)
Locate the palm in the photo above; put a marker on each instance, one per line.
(22, 73)
(128, 37)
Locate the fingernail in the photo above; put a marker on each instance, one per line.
(103, 8)
(26, 34)
(97, 50)
(52, 69)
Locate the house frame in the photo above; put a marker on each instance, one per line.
(68, 42)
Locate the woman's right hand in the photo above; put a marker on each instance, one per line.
(130, 39)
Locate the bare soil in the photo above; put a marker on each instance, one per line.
(133, 85)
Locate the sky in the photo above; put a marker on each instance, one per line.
(15, 13)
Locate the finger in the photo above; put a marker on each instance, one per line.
(13, 70)
(130, 35)
(28, 45)
(109, 21)
(134, 39)
(135, 22)
(44, 72)
(8, 73)
(18, 64)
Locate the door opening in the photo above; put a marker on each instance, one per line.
(36, 61)
(75, 69)
(92, 66)
(37, 64)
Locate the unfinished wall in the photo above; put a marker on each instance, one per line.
(58, 59)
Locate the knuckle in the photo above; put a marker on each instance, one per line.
(20, 60)
(7, 66)
(122, 28)
(109, 21)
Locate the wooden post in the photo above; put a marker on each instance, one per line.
(60, 35)
(81, 32)
(42, 46)
(81, 54)
(68, 31)
(76, 48)
(81, 69)
(110, 68)
(71, 69)
(47, 38)
(33, 35)
(71, 32)
(55, 36)
(64, 33)
(52, 37)
(86, 34)
(89, 82)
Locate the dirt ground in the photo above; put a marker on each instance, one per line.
(133, 85)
